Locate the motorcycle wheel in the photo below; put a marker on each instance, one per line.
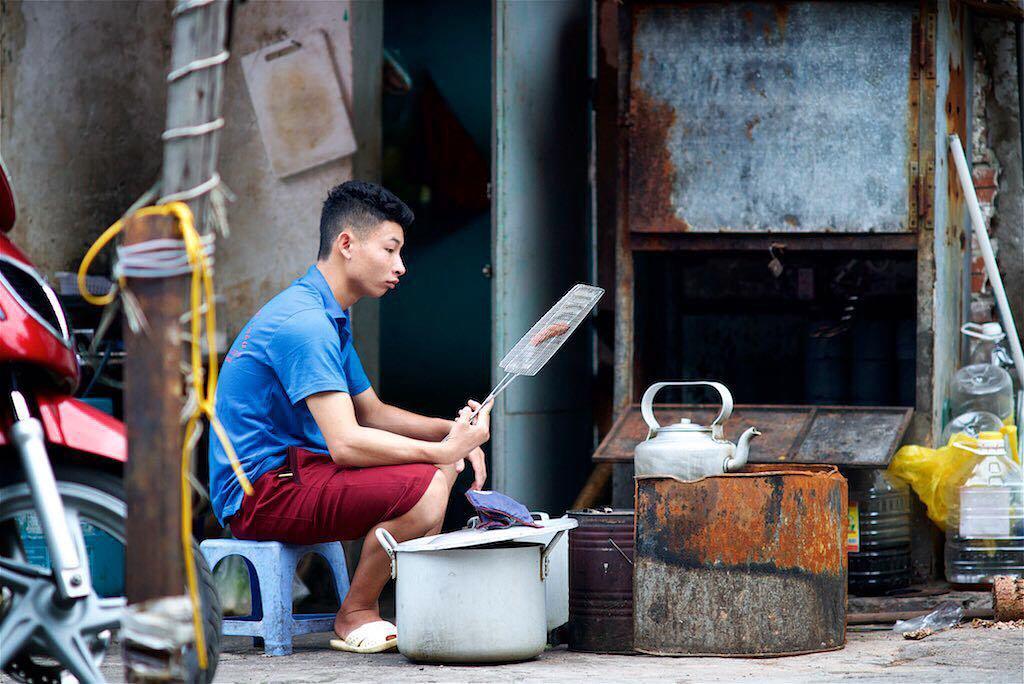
(98, 500)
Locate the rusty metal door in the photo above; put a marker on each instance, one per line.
(792, 117)
(542, 430)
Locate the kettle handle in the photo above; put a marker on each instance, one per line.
(647, 409)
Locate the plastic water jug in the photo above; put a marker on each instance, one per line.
(879, 539)
(987, 537)
(986, 345)
(982, 387)
(972, 424)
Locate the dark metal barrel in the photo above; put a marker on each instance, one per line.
(743, 564)
(873, 381)
(825, 376)
(601, 581)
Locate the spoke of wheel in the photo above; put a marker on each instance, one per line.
(18, 625)
(73, 653)
(103, 614)
(75, 643)
(19, 582)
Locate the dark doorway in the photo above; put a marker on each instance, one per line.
(435, 328)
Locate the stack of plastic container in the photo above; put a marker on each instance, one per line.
(986, 537)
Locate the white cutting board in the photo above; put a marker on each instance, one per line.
(301, 113)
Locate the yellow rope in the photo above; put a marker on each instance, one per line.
(200, 293)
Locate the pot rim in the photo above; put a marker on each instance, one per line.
(493, 546)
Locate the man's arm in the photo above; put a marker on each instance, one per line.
(352, 444)
(372, 412)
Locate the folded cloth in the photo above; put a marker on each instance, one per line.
(498, 511)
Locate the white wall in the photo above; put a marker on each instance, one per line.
(275, 223)
(82, 105)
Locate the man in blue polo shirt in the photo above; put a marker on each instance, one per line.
(328, 460)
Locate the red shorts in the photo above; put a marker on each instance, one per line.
(324, 502)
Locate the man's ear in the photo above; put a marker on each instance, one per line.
(343, 243)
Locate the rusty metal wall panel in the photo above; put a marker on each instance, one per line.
(746, 564)
(788, 117)
(949, 221)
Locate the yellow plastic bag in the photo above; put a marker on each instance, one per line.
(936, 475)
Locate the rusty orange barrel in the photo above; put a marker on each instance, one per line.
(601, 581)
(743, 564)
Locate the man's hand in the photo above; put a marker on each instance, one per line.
(479, 463)
(476, 458)
(463, 437)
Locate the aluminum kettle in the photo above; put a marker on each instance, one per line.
(686, 450)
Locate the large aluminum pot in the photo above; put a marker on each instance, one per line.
(471, 596)
(556, 583)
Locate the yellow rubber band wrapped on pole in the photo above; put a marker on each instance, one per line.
(200, 293)
(90, 254)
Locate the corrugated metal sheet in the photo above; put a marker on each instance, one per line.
(789, 117)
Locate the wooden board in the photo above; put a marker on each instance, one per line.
(862, 436)
(299, 106)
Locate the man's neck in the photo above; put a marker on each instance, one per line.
(338, 282)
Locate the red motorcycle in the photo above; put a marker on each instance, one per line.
(62, 507)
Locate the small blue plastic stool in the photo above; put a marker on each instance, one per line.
(271, 567)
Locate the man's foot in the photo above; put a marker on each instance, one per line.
(346, 623)
(373, 637)
(362, 631)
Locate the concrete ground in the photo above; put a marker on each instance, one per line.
(959, 655)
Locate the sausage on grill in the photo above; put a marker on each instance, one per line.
(552, 331)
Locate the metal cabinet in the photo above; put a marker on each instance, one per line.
(805, 125)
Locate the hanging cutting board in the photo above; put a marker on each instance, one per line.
(299, 106)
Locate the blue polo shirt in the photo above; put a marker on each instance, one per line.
(298, 344)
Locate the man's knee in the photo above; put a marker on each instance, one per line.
(434, 501)
(449, 473)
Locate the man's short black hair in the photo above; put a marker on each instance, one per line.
(362, 207)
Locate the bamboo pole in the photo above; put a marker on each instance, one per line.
(194, 100)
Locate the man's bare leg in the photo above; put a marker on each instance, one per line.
(374, 568)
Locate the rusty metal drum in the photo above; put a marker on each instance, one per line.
(601, 581)
(741, 564)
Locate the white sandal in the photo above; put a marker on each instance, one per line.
(373, 637)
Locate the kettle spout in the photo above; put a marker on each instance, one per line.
(739, 458)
